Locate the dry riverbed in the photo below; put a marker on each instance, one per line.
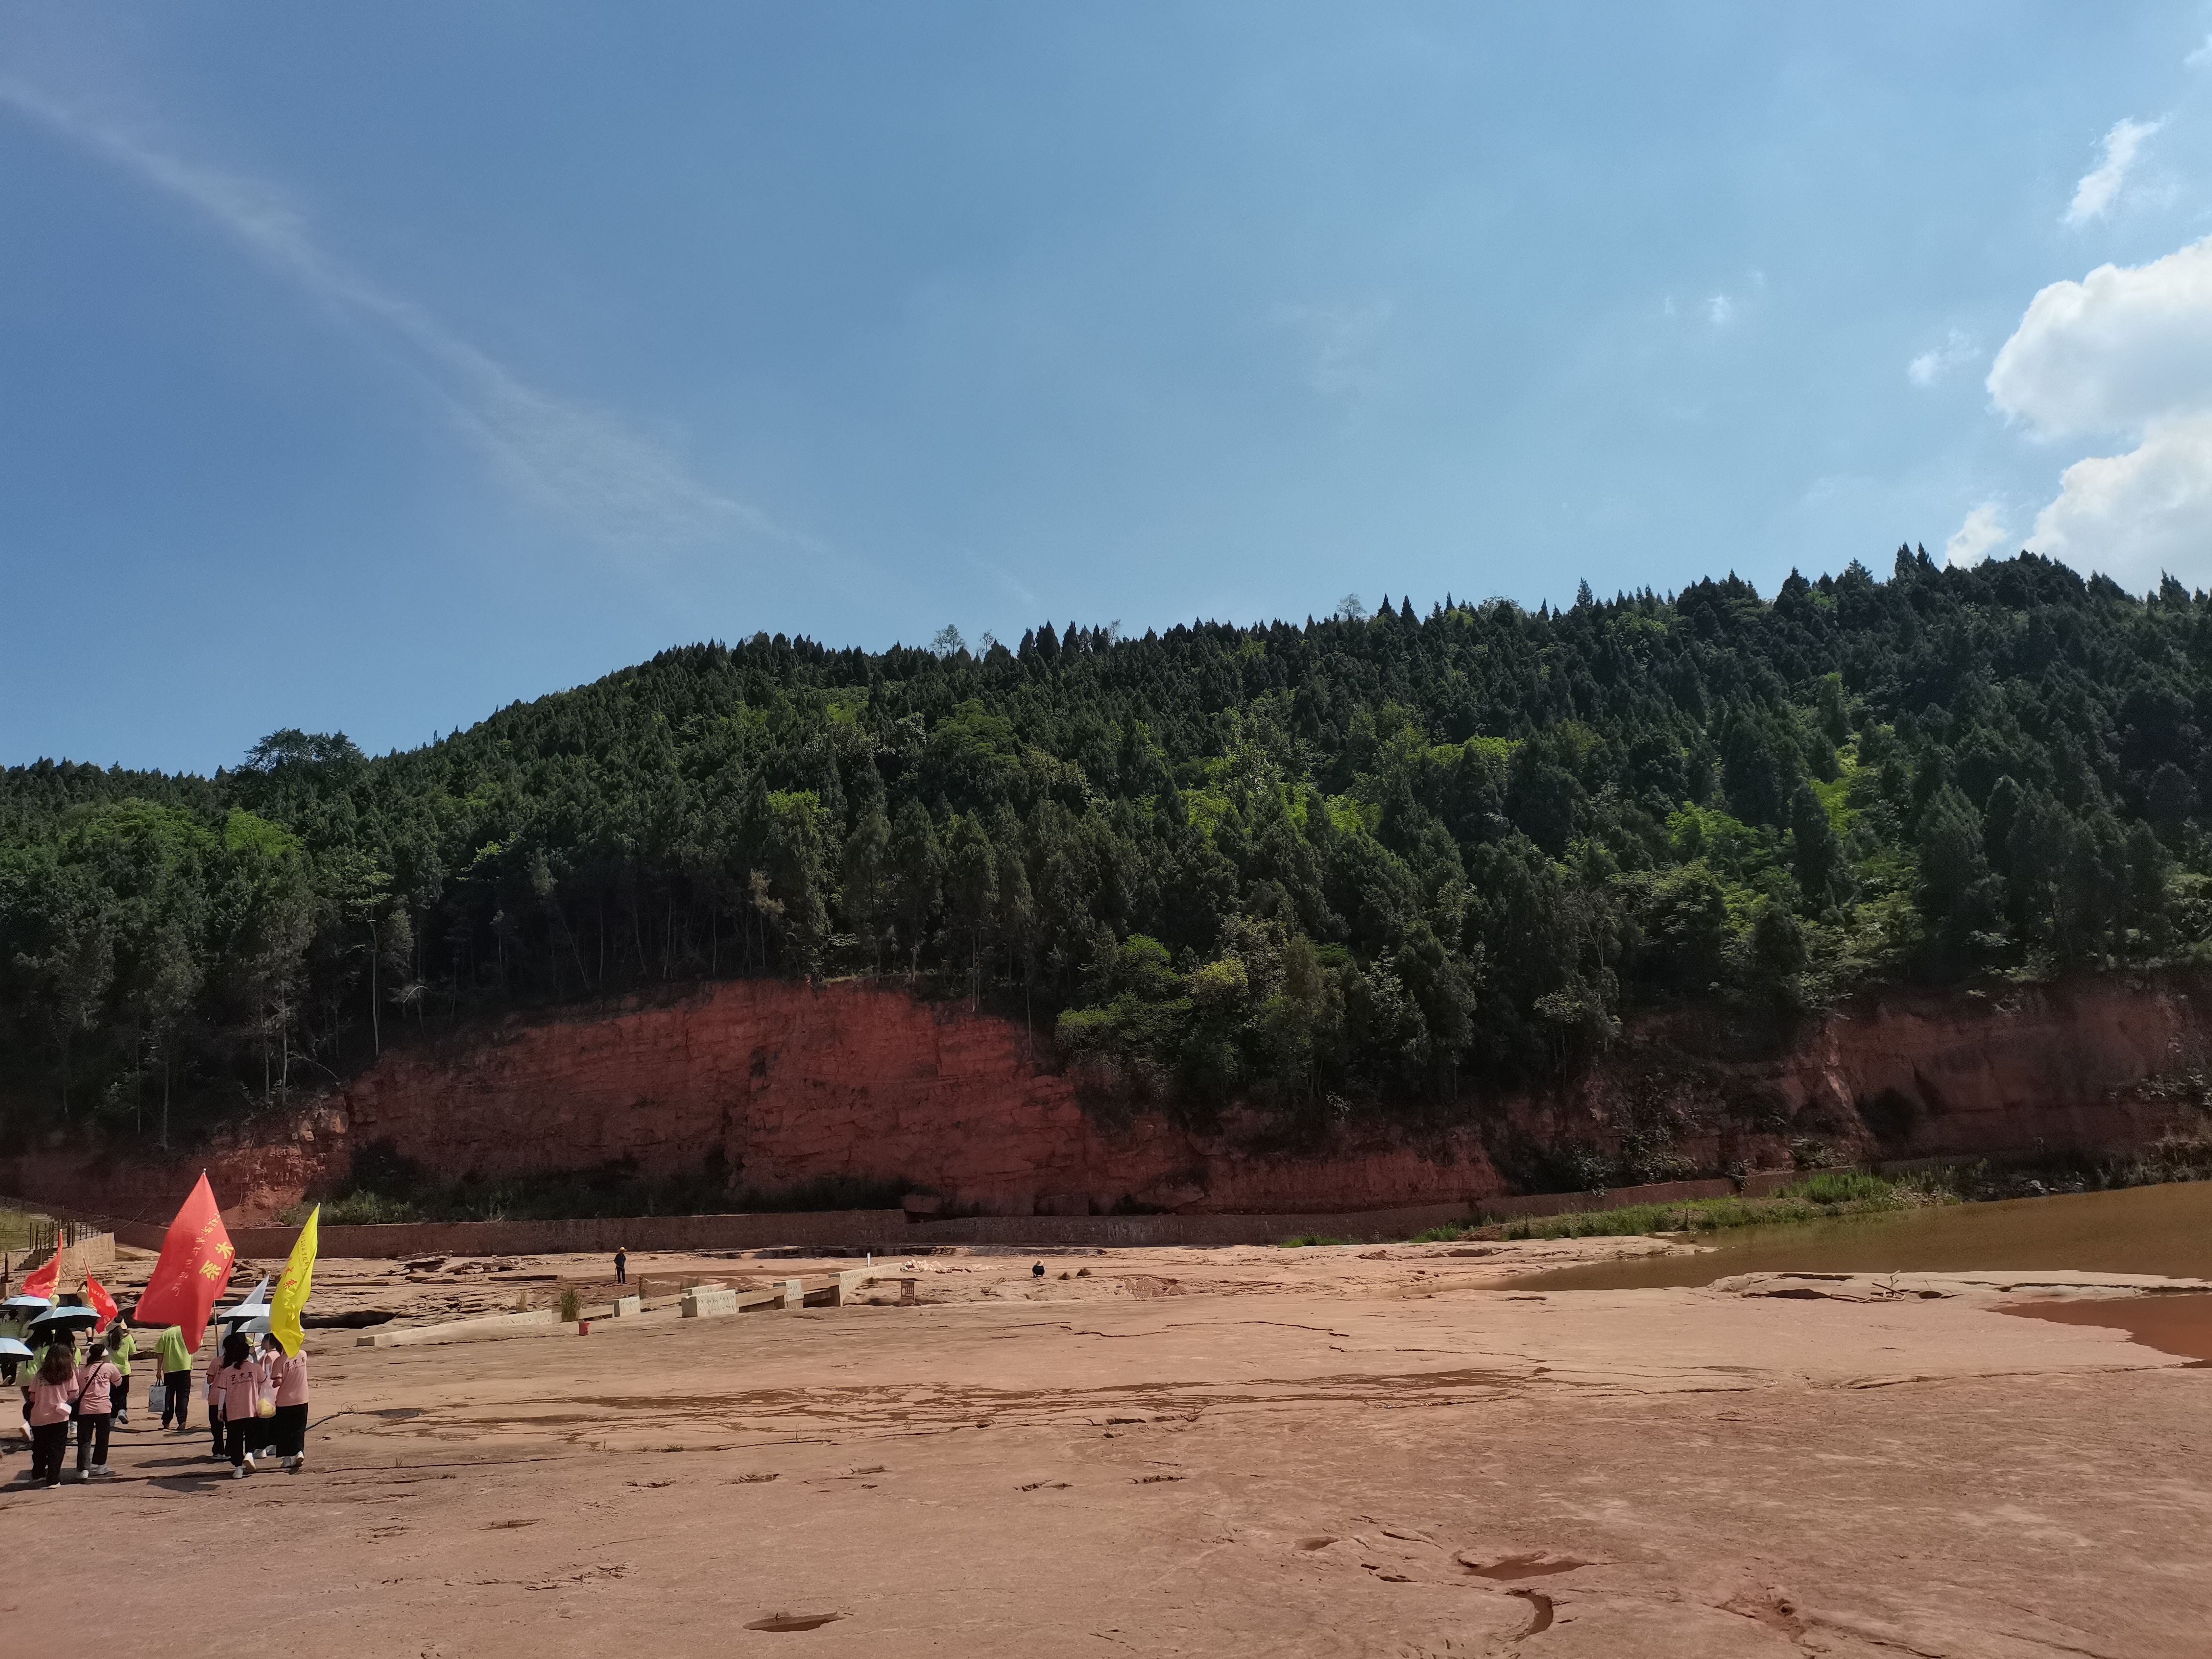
(1328, 1451)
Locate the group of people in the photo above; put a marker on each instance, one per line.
(257, 1404)
(256, 1399)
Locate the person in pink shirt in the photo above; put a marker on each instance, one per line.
(239, 1385)
(97, 1380)
(288, 1430)
(53, 1388)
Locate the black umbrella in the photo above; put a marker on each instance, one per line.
(66, 1318)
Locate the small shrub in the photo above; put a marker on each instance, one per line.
(572, 1306)
(1839, 1187)
(1311, 1238)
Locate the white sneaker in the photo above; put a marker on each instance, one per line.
(84, 1474)
(239, 1473)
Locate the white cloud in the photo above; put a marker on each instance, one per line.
(2138, 515)
(2101, 183)
(2114, 351)
(2127, 351)
(2202, 56)
(1974, 540)
(562, 456)
(1720, 310)
(1933, 365)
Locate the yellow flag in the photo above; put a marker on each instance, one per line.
(293, 1289)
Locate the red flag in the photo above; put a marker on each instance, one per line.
(195, 1266)
(102, 1303)
(40, 1281)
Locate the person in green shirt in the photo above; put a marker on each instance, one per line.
(176, 1377)
(10, 1326)
(120, 1347)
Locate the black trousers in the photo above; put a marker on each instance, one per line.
(215, 1426)
(179, 1398)
(288, 1430)
(48, 1442)
(92, 1429)
(121, 1395)
(246, 1434)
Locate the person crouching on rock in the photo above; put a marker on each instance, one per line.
(288, 1430)
(239, 1385)
(52, 1388)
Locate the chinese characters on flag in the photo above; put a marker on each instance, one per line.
(195, 1266)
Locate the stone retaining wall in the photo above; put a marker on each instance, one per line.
(889, 1231)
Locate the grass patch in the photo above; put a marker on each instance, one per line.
(15, 1228)
(1304, 1239)
(1817, 1198)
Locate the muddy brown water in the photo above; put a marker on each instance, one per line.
(2142, 1229)
(2179, 1322)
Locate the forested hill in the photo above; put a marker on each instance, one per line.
(1366, 864)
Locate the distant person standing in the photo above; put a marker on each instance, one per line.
(622, 1266)
(121, 1345)
(95, 1410)
(288, 1430)
(176, 1361)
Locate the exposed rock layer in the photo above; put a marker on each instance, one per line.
(781, 1083)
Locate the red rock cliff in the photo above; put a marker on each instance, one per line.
(789, 1083)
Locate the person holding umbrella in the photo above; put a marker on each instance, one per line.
(95, 1410)
(16, 1314)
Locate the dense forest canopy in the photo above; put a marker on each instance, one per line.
(1379, 863)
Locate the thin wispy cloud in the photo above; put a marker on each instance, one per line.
(561, 456)
(1339, 341)
(1931, 366)
(2100, 186)
(2201, 56)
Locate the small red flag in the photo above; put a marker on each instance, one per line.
(195, 1266)
(102, 1303)
(40, 1281)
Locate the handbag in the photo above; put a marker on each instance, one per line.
(157, 1397)
(265, 1401)
(76, 1406)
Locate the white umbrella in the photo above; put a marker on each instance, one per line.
(256, 1305)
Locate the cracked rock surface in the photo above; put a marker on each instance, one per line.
(1319, 1451)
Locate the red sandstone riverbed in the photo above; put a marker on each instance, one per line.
(1316, 1451)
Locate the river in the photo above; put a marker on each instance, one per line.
(2139, 1230)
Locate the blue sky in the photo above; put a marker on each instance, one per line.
(366, 370)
